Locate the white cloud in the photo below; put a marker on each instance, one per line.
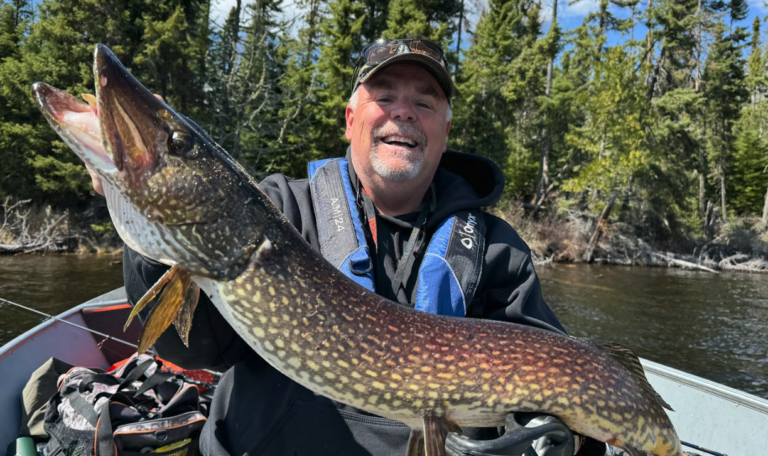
(582, 8)
(757, 6)
(546, 10)
(220, 10)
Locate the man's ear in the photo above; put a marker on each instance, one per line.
(349, 114)
(447, 128)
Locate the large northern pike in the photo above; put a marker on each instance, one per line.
(176, 197)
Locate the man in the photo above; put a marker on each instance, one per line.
(397, 195)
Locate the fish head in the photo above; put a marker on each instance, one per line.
(173, 194)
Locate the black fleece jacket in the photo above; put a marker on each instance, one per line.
(257, 410)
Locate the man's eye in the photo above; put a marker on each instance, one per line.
(384, 99)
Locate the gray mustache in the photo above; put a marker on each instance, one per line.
(402, 129)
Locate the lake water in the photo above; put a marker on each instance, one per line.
(712, 325)
(51, 284)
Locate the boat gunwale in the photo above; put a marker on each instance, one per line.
(725, 392)
(14, 343)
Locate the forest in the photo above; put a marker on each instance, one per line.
(637, 136)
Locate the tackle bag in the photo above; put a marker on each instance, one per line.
(137, 409)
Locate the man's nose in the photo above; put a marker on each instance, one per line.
(403, 110)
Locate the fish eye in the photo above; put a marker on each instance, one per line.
(179, 142)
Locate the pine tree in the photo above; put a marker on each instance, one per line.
(171, 59)
(430, 19)
(255, 88)
(749, 180)
(17, 176)
(15, 20)
(59, 50)
(342, 31)
(503, 76)
(747, 183)
(222, 64)
(375, 22)
(298, 87)
(725, 92)
(54, 49)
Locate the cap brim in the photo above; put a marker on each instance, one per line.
(440, 74)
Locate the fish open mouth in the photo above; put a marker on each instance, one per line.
(77, 123)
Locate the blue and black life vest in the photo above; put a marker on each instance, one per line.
(453, 261)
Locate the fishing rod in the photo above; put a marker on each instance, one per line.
(84, 328)
(706, 450)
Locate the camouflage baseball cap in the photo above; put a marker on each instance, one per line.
(382, 53)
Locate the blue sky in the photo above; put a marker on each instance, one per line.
(569, 16)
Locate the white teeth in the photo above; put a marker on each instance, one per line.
(401, 139)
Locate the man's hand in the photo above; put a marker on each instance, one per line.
(96, 181)
(527, 434)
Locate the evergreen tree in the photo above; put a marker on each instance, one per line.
(59, 50)
(342, 31)
(725, 91)
(15, 18)
(255, 93)
(55, 50)
(430, 19)
(749, 179)
(375, 22)
(17, 176)
(222, 64)
(298, 87)
(495, 112)
(171, 59)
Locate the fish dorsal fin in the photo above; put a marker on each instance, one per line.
(629, 360)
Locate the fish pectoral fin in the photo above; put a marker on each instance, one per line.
(415, 443)
(183, 321)
(169, 300)
(629, 360)
(436, 429)
(151, 293)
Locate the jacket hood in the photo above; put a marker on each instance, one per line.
(463, 181)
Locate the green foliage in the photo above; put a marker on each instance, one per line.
(430, 19)
(342, 40)
(749, 167)
(104, 228)
(503, 78)
(667, 122)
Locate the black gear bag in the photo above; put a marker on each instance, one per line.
(137, 409)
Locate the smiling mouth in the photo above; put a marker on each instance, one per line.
(400, 141)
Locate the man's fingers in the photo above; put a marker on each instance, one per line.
(96, 181)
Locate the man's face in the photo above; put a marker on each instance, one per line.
(398, 129)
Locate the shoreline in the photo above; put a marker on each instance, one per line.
(569, 237)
